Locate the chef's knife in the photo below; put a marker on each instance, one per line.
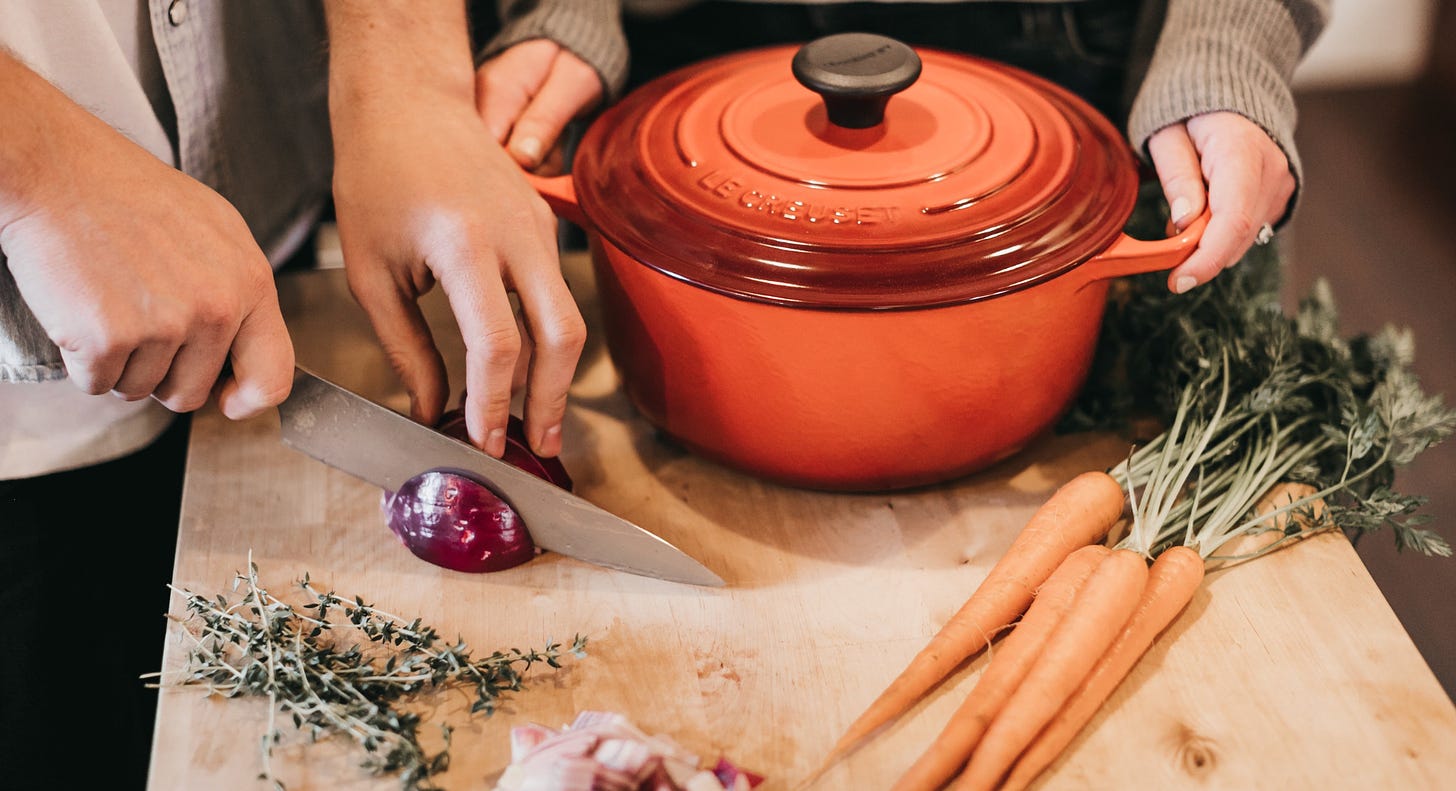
(378, 445)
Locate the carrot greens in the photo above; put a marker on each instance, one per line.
(1252, 398)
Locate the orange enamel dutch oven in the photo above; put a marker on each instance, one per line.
(853, 266)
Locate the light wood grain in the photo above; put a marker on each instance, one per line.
(1288, 672)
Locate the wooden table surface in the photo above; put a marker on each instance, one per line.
(1288, 672)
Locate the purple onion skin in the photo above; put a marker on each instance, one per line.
(728, 773)
(450, 519)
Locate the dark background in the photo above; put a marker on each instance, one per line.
(1377, 219)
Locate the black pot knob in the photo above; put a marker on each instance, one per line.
(856, 74)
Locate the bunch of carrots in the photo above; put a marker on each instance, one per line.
(1090, 614)
(1257, 402)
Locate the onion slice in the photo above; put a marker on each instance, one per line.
(621, 758)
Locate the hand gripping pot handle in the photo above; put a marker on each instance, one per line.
(1129, 256)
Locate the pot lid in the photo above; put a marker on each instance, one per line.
(855, 173)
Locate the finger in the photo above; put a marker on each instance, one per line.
(478, 299)
(197, 366)
(1176, 160)
(405, 337)
(558, 335)
(194, 374)
(1237, 212)
(571, 88)
(145, 370)
(523, 362)
(262, 362)
(505, 84)
(95, 367)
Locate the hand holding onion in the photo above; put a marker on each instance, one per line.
(451, 519)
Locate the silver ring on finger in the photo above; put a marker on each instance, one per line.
(1266, 233)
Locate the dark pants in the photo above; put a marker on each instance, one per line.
(85, 557)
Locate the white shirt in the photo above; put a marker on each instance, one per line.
(93, 51)
(104, 55)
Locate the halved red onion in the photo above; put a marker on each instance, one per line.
(451, 519)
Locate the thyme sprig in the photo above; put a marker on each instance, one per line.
(262, 646)
(1251, 398)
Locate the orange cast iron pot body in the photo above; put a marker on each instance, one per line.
(846, 400)
(850, 348)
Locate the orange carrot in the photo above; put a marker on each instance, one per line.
(1008, 666)
(1079, 513)
(1097, 616)
(1174, 578)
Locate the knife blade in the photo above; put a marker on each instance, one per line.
(380, 446)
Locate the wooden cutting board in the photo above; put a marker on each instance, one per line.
(1288, 672)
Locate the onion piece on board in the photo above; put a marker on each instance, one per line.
(625, 759)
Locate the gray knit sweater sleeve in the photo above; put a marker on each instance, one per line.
(589, 29)
(1234, 55)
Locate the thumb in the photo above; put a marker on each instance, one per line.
(571, 88)
(262, 363)
(505, 84)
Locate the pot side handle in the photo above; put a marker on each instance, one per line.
(560, 194)
(1129, 256)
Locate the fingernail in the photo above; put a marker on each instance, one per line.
(1183, 284)
(530, 148)
(550, 444)
(1180, 209)
(495, 443)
